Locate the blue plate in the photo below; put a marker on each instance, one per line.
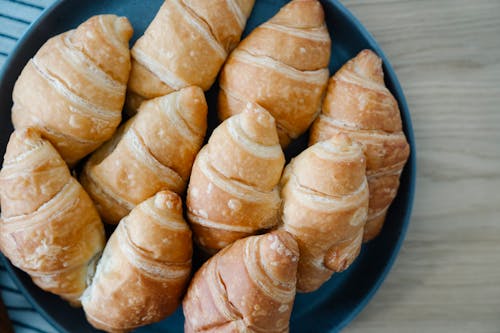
(344, 296)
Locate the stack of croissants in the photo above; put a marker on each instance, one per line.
(270, 230)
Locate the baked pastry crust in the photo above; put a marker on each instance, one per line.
(73, 89)
(49, 227)
(153, 151)
(144, 269)
(247, 287)
(233, 190)
(281, 66)
(358, 104)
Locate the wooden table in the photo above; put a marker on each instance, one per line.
(447, 56)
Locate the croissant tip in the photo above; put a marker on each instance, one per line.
(369, 57)
(194, 93)
(368, 63)
(301, 14)
(261, 115)
(340, 144)
(168, 200)
(342, 139)
(259, 124)
(287, 240)
(123, 28)
(21, 140)
(27, 132)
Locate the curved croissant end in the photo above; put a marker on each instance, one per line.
(73, 89)
(185, 44)
(144, 269)
(49, 226)
(325, 204)
(247, 287)
(358, 104)
(281, 66)
(153, 151)
(236, 174)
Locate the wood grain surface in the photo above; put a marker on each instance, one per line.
(446, 54)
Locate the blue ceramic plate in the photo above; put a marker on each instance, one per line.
(344, 296)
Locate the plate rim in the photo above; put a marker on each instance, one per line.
(411, 164)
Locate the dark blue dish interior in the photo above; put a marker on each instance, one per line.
(343, 297)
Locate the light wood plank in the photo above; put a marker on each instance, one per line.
(447, 56)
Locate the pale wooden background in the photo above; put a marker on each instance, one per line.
(447, 56)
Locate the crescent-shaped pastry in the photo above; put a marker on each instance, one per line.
(233, 190)
(359, 104)
(247, 287)
(281, 66)
(49, 227)
(186, 44)
(144, 269)
(153, 151)
(325, 205)
(73, 89)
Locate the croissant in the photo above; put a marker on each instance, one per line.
(73, 89)
(325, 205)
(359, 104)
(49, 227)
(233, 190)
(247, 287)
(153, 151)
(144, 269)
(186, 44)
(281, 66)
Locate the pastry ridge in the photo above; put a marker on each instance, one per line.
(359, 104)
(49, 227)
(237, 175)
(325, 206)
(282, 67)
(73, 89)
(185, 44)
(233, 291)
(144, 269)
(153, 151)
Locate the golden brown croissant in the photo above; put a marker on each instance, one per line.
(153, 151)
(186, 44)
(247, 287)
(282, 66)
(358, 104)
(49, 226)
(73, 89)
(325, 205)
(233, 190)
(144, 269)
